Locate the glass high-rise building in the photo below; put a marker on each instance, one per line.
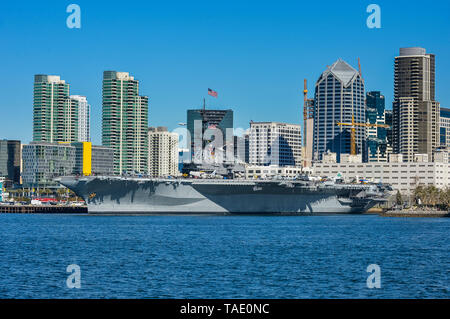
(10, 158)
(55, 119)
(125, 122)
(415, 111)
(57, 115)
(444, 128)
(376, 136)
(339, 96)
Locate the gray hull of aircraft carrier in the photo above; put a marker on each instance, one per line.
(121, 195)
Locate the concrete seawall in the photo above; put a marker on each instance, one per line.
(415, 213)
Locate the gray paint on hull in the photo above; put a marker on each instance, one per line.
(116, 195)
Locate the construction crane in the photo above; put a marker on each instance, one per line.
(305, 106)
(353, 125)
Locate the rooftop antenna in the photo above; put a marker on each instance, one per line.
(359, 70)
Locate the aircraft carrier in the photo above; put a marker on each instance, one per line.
(114, 195)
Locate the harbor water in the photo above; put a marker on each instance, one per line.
(223, 256)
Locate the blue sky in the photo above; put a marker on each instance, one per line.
(254, 53)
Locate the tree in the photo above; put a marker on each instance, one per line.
(398, 198)
(419, 194)
(62, 192)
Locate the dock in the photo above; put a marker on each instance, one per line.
(42, 209)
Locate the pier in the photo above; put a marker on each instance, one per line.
(42, 209)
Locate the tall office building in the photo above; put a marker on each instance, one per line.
(415, 111)
(444, 128)
(377, 148)
(388, 121)
(209, 119)
(162, 152)
(339, 96)
(10, 157)
(55, 118)
(273, 143)
(125, 122)
(84, 122)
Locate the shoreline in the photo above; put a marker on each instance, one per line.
(63, 209)
(415, 213)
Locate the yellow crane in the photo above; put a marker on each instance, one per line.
(353, 125)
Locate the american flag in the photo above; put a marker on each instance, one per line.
(212, 92)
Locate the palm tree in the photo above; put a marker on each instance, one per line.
(444, 198)
(61, 192)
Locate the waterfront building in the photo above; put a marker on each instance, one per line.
(377, 147)
(125, 122)
(271, 171)
(415, 111)
(403, 176)
(42, 162)
(84, 112)
(273, 143)
(10, 158)
(444, 127)
(163, 152)
(210, 120)
(93, 159)
(339, 97)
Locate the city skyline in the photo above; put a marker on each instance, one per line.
(266, 74)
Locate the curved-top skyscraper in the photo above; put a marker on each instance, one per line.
(339, 95)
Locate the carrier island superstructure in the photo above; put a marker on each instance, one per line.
(140, 195)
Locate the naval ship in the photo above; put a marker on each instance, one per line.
(140, 195)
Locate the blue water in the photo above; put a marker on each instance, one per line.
(223, 257)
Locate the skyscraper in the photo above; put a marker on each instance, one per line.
(84, 110)
(388, 121)
(415, 111)
(54, 117)
(339, 96)
(376, 136)
(125, 122)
